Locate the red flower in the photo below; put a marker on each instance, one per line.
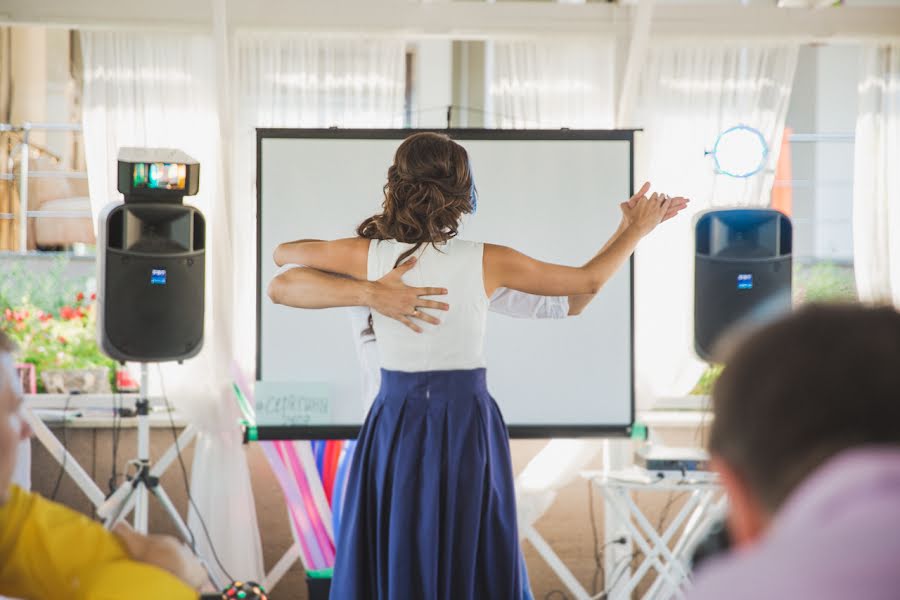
(8, 314)
(79, 297)
(62, 340)
(93, 296)
(66, 313)
(44, 317)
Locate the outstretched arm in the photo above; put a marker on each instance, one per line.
(348, 256)
(505, 267)
(523, 305)
(578, 302)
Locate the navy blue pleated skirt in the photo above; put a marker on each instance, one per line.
(430, 510)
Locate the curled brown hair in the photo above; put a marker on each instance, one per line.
(428, 190)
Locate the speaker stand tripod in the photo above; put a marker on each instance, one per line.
(135, 492)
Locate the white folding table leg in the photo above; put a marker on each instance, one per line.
(704, 499)
(63, 457)
(555, 563)
(282, 566)
(661, 542)
(620, 502)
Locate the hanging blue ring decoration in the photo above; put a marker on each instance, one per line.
(726, 156)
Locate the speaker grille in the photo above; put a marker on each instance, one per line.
(153, 286)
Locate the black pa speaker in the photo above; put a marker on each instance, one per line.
(151, 264)
(742, 271)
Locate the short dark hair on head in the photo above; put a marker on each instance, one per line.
(6, 344)
(802, 389)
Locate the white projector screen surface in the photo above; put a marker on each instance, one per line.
(552, 195)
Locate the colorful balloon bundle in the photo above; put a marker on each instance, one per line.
(333, 458)
(313, 477)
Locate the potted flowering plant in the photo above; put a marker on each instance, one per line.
(62, 346)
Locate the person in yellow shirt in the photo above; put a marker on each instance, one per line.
(50, 552)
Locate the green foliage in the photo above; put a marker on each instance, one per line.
(48, 290)
(53, 324)
(824, 282)
(705, 383)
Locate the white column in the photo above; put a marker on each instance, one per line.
(29, 77)
(433, 83)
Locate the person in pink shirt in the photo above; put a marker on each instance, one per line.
(806, 439)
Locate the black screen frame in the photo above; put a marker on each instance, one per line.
(550, 430)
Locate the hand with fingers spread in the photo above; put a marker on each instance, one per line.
(645, 213)
(393, 298)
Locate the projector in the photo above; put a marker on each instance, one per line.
(653, 457)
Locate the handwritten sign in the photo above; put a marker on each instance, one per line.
(292, 403)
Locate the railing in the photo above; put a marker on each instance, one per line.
(25, 174)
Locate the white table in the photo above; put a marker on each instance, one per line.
(662, 551)
(94, 410)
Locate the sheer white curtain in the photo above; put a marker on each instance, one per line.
(550, 84)
(876, 187)
(288, 80)
(159, 90)
(688, 95)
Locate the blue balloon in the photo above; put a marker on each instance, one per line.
(340, 486)
(318, 448)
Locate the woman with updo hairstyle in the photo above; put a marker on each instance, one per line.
(429, 511)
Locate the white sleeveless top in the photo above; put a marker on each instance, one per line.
(458, 342)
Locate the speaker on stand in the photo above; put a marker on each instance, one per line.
(151, 275)
(151, 281)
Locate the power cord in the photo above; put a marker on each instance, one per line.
(599, 550)
(664, 513)
(609, 588)
(187, 486)
(116, 430)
